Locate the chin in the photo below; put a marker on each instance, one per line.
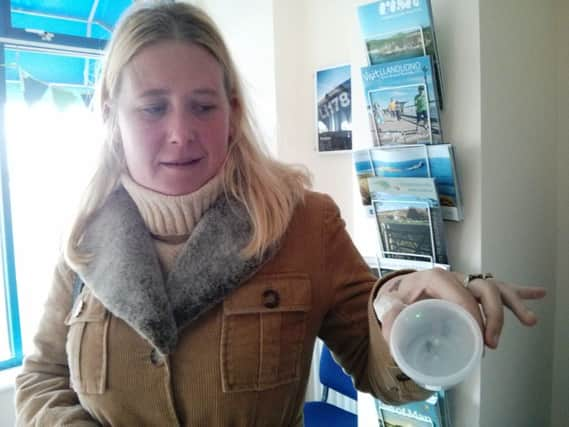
(180, 184)
(178, 191)
(175, 189)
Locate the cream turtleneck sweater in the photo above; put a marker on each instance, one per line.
(171, 219)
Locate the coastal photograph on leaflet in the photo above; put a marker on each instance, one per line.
(432, 412)
(405, 229)
(400, 44)
(364, 170)
(412, 161)
(416, 161)
(408, 121)
(409, 222)
(396, 419)
(398, 30)
(401, 102)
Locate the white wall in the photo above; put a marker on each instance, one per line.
(7, 410)
(458, 38)
(518, 199)
(560, 409)
(247, 27)
(311, 35)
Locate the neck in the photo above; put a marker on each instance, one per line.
(171, 217)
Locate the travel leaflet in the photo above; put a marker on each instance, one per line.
(397, 30)
(423, 161)
(413, 161)
(432, 412)
(401, 102)
(409, 221)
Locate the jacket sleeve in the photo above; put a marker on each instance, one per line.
(44, 396)
(350, 328)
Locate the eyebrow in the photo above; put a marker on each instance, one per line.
(161, 92)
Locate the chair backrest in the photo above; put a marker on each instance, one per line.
(333, 376)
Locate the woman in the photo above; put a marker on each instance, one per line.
(208, 269)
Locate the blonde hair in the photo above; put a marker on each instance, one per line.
(269, 190)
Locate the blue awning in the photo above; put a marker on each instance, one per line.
(88, 19)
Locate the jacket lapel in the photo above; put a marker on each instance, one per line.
(125, 273)
(210, 265)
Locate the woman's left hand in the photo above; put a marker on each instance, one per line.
(483, 298)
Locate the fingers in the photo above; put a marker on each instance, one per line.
(448, 286)
(494, 295)
(387, 307)
(513, 297)
(436, 283)
(488, 293)
(530, 292)
(388, 319)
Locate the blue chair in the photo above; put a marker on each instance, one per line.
(324, 414)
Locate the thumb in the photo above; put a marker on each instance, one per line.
(387, 307)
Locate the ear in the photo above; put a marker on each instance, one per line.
(235, 106)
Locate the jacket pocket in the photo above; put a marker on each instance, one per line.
(86, 344)
(263, 331)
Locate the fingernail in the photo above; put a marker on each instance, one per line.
(529, 312)
(496, 338)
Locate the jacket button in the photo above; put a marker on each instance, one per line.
(271, 298)
(402, 377)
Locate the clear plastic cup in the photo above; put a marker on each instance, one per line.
(436, 343)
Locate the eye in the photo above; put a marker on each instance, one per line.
(201, 108)
(154, 110)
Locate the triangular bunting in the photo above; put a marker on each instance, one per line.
(62, 98)
(34, 90)
(87, 97)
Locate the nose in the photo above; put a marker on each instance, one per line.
(181, 128)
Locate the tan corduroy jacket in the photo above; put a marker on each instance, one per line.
(219, 342)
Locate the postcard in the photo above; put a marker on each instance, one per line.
(334, 109)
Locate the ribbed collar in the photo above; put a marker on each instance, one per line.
(171, 216)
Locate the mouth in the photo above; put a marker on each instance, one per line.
(180, 163)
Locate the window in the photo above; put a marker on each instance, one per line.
(49, 59)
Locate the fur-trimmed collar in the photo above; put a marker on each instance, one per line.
(125, 274)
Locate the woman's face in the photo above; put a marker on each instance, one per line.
(174, 117)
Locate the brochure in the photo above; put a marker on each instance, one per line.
(432, 412)
(414, 161)
(396, 30)
(401, 102)
(409, 221)
(389, 265)
(364, 170)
